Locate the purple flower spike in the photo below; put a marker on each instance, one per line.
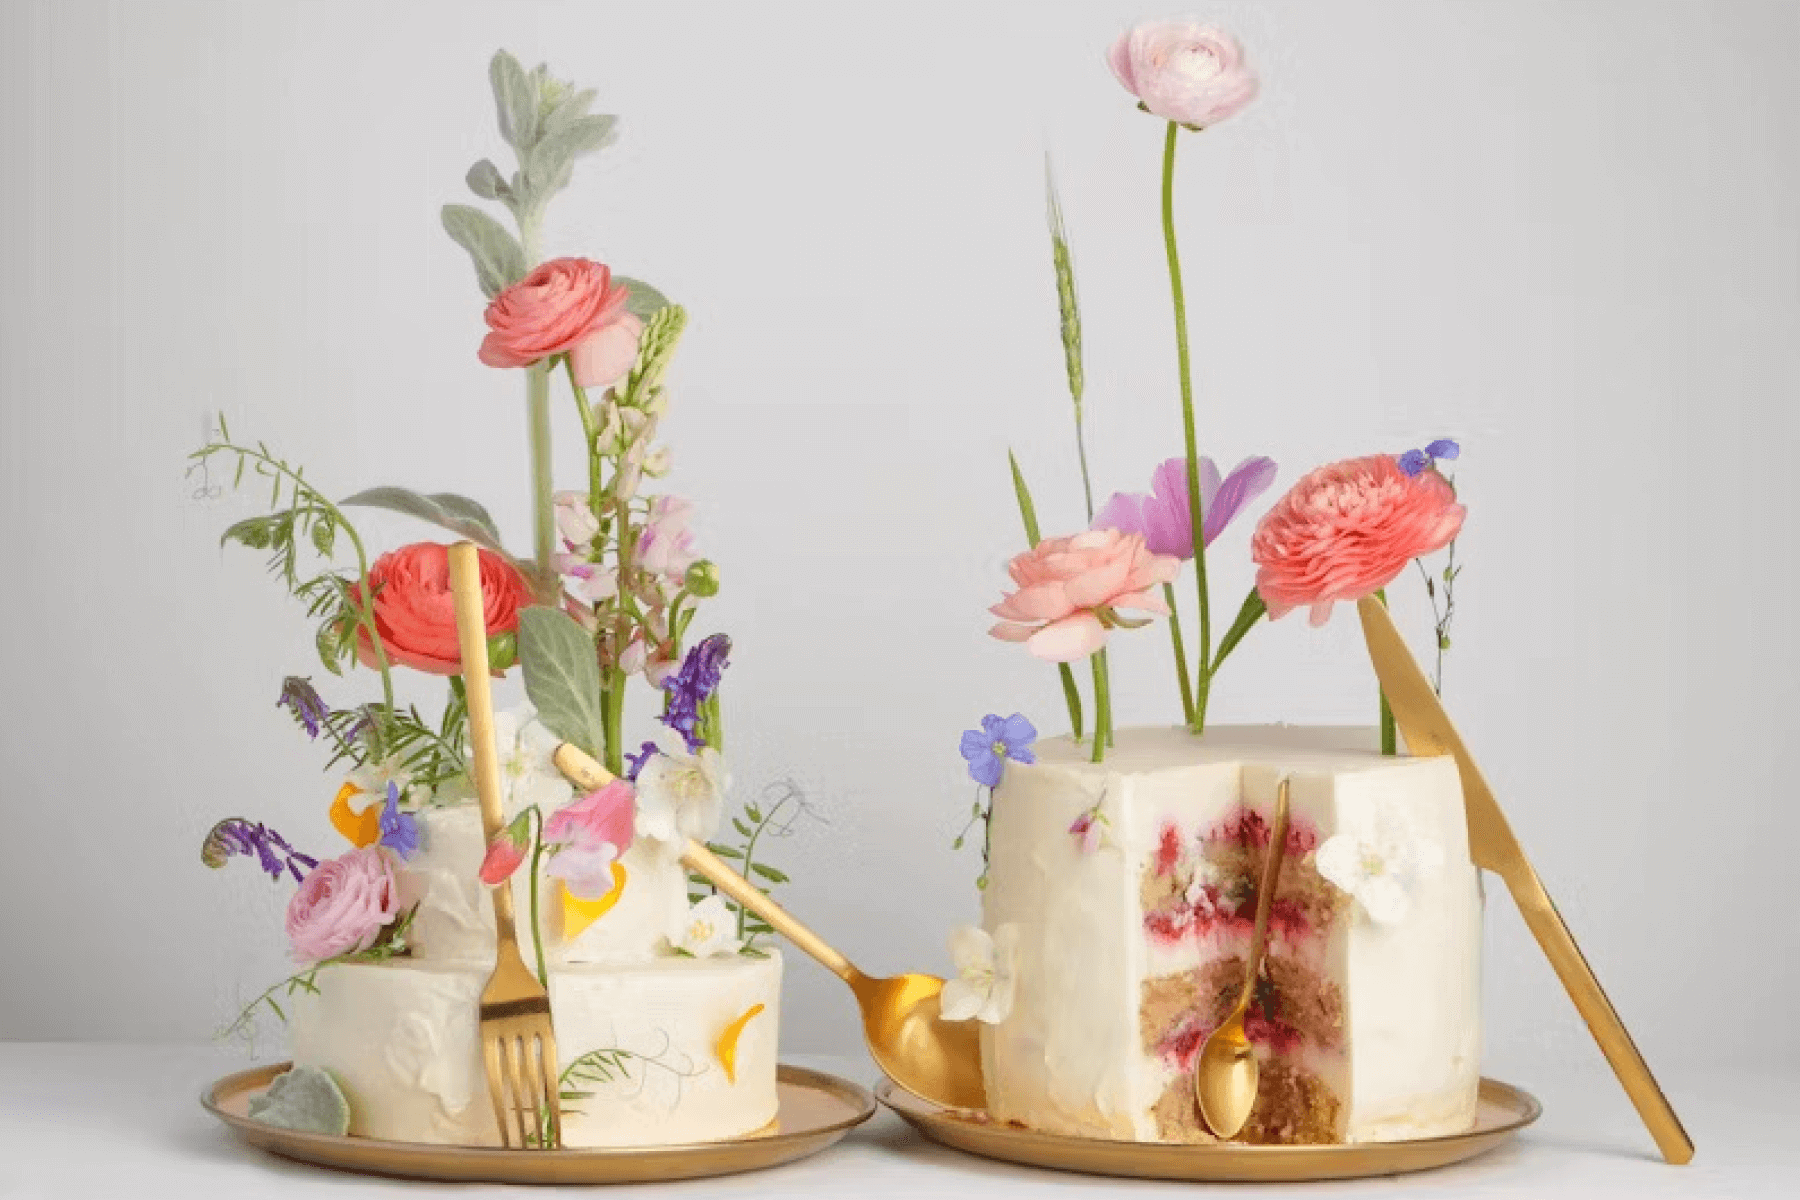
(299, 697)
(998, 739)
(691, 686)
(399, 830)
(234, 837)
(1163, 517)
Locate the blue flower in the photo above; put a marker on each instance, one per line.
(1415, 461)
(998, 739)
(399, 830)
(235, 836)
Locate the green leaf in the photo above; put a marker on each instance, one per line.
(769, 873)
(485, 180)
(643, 301)
(562, 677)
(459, 514)
(304, 1098)
(754, 813)
(552, 160)
(324, 533)
(497, 256)
(255, 532)
(1253, 611)
(1027, 510)
(727, 851)
(515, 101)
(737, 823)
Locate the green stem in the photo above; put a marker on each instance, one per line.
(1390, 741)
(1087, 486)
(1028, 515)
(1181, 673)
(1102, 709)
(543, 485)
(537, 925)
(614, 714)
(1187, 423)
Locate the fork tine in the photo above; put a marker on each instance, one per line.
(531, 1086)
(516, 1087)
(496, 1082)
(546, 1054)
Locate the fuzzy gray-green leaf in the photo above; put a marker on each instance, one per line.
(641, 300)
(459, 514)
(552, 160)
(515, 101)
(497, 256)
(485, 180)
(562, 677)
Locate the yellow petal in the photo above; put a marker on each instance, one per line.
(578, 914)
(725, 1050)
(361, 828)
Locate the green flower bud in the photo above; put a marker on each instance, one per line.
(703, 578)
(503, 651)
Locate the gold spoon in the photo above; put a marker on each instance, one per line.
(934, 1059)
(1226, 1074)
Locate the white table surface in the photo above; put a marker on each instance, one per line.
(80, 1120)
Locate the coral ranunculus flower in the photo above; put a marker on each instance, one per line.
(1070, 587)
(416, 615)
(1346, 530)
(566, 306)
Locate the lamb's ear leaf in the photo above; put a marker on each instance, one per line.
(499, 260)
(459, 514)
(641, 300)
(485, 180)
(562, 677)
(515, 101)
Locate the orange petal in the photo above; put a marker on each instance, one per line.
(361, 828)
(725, 1049)
(578, 914)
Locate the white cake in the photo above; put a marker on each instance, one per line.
(1129, 951)
(666, 1049)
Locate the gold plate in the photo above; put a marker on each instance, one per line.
(1502, 1111)
(815, 1110)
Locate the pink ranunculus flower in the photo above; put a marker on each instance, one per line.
(1163, 517)
(1346, 530)
(1184, 71)
(589, 835)
(566, 306)
(416, 615)
(343, 905)
(1070, 588)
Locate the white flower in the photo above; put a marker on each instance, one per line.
(680, 795)
(983, 987)
(527, 771)
(1379, 864)
(707, 930)
(373, 778)
(575, 520)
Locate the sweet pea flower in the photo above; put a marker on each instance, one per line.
(666, 547)
(507, 851)
(1071, 588)
(589, 836)
(998, 739)
(1163, 516)
(1346, 530)
(1183, 71)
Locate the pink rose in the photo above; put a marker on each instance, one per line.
(343, 905)
(416, 616)
(1346, 530)
(589, 835)
(1070, 587)
(1184, 71)
(565, 306)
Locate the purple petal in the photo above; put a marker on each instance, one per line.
(1444, 448)
(1018, 733)
(974, 743)
(1248, 480)
(985, 768)
(1414, 461)
(1209, 486)
(1123, 512)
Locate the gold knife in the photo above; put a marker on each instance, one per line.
(1429, 733)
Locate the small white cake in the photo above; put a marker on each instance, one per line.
(1129, 944)
(663, 1049)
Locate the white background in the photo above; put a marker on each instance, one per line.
(1567, 234)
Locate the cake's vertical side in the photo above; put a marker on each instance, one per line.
(1062, 1058)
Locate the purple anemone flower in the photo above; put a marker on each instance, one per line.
(234, 837)
(1163, 517)
(399, 830)
(998, 739)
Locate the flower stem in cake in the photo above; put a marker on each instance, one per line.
(537, 922)
(1390, 741)
(1203, 677)
(1181, 672)
(1028, 514)
(1102, 708)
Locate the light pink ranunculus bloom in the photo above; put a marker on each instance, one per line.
(1346, 530)
(1069, 589)
(589, 835)
(1184, 71)
(566, 306)
(343, 905)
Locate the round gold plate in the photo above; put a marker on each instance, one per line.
(816, 1110)
(1502, 1111)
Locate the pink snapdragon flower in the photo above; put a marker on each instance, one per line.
(1346, 530)
(589, 835)
(1184, 71)
(343, 905)
(1163, 517)
(1071, 588)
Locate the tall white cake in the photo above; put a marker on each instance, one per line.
(1127, 945)
(663, 1049)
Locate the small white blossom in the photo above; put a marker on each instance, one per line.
(1380, 863)
(680, 795)
(708, 930)
(984, 983)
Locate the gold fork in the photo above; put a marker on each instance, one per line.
(517, 1039)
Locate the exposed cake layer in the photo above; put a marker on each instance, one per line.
(455, 918)
(1129, 953)
(662, 1053)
